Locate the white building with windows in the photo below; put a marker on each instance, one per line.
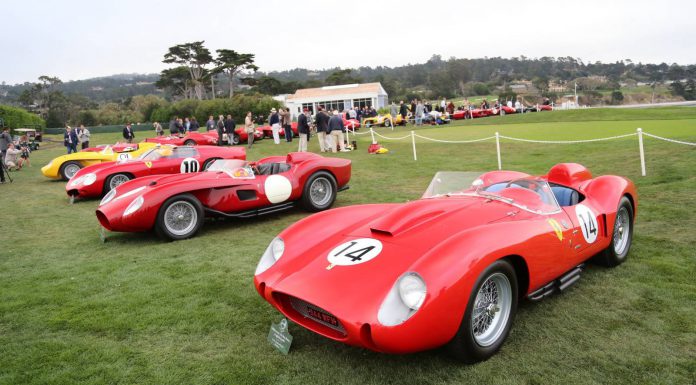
(340, 97)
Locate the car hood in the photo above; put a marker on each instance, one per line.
(407, 232)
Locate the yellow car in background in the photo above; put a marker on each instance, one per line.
(65, 166)
(385, 120)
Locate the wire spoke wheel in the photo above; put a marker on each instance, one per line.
(117, 180)
(320, 191)
(71, 169)
(491, 309)
(180, 218)
(622, 231)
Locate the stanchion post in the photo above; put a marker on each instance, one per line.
(413, 140)
(372, 133)
(497, 147)
(642, 151)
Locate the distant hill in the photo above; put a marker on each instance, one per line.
(108, 88)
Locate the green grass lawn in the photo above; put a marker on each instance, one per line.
(140, 310)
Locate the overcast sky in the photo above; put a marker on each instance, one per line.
(79, 39)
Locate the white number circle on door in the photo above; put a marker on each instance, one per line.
(189, 165)
(588, 222)
(354, 252)
(123, 156)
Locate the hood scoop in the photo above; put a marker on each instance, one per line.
(410, 215)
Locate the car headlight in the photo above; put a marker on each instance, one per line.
(272, 254)
(403, 300)
(89, 179)
(76, 181)
(412, 290)
(108, 197)
(134, 206)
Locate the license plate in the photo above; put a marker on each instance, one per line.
(321, 316)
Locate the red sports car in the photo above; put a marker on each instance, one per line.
(96, 180)
(268, 130)
(204, 137)
(176, 205)
(449, 268)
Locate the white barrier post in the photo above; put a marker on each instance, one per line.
(413, 140)
(372, 133)
(642, 152)
(497, 147)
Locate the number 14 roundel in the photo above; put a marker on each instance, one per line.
(588, 223)
(354, 252)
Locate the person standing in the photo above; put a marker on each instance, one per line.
(128, 133)
(392, 109)
(187, 125)
(158, 129)
(352, 114)
(230, 125)
(303, 130)
(194, 125)
(84, 136)
(403, 110)
(287, 124)
(179, 127)
(274, 122)
(220, 129)
(210, 124)
(173, 130)
(420, 110)
(5, 142)
(336, 129)
(70, 140)
(322, 121)
(249, 128)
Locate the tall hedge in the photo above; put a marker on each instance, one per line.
(14, 117)
(201, 109)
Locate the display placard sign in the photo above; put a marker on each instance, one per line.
(279, 336)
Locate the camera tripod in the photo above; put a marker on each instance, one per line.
(5, 170)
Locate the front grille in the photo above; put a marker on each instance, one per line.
(316, 314)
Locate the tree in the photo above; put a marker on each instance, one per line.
(616, 97)
(176, 80)
(194, 57)
(342, 77)
(231, 63)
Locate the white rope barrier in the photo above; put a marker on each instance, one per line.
(567, 141)
(669, 140)
(454, 141)
(639, 132)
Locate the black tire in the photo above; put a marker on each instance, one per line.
(386, 123)
(322, 199)
(186, 201)
(466, 345)
(190, 142)
(116, 179)
(208, 163)
(235, 139)
(66, 169)
(620, 244)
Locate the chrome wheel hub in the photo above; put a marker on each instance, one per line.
(491, 310)
(180, 218)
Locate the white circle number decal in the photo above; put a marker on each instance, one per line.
(189, 165)
(278, 188)
(588, 223)
(354, 252)
(123, 156)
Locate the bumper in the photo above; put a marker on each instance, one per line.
(134, 223)
(50, 172)
(414, 335)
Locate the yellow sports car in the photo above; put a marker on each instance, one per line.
(65, 166)
(384, 120)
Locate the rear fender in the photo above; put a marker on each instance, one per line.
(606, 192)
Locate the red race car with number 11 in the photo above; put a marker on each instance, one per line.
(176, 205)
(449, 268)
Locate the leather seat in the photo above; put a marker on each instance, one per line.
(565, 196)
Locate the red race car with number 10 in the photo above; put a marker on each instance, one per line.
(449, 268)
(96, 180)
(176, 205)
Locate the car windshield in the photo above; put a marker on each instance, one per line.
(235, 168)
(152, 154)
(531, 193)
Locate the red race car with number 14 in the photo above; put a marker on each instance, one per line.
(449, 268)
